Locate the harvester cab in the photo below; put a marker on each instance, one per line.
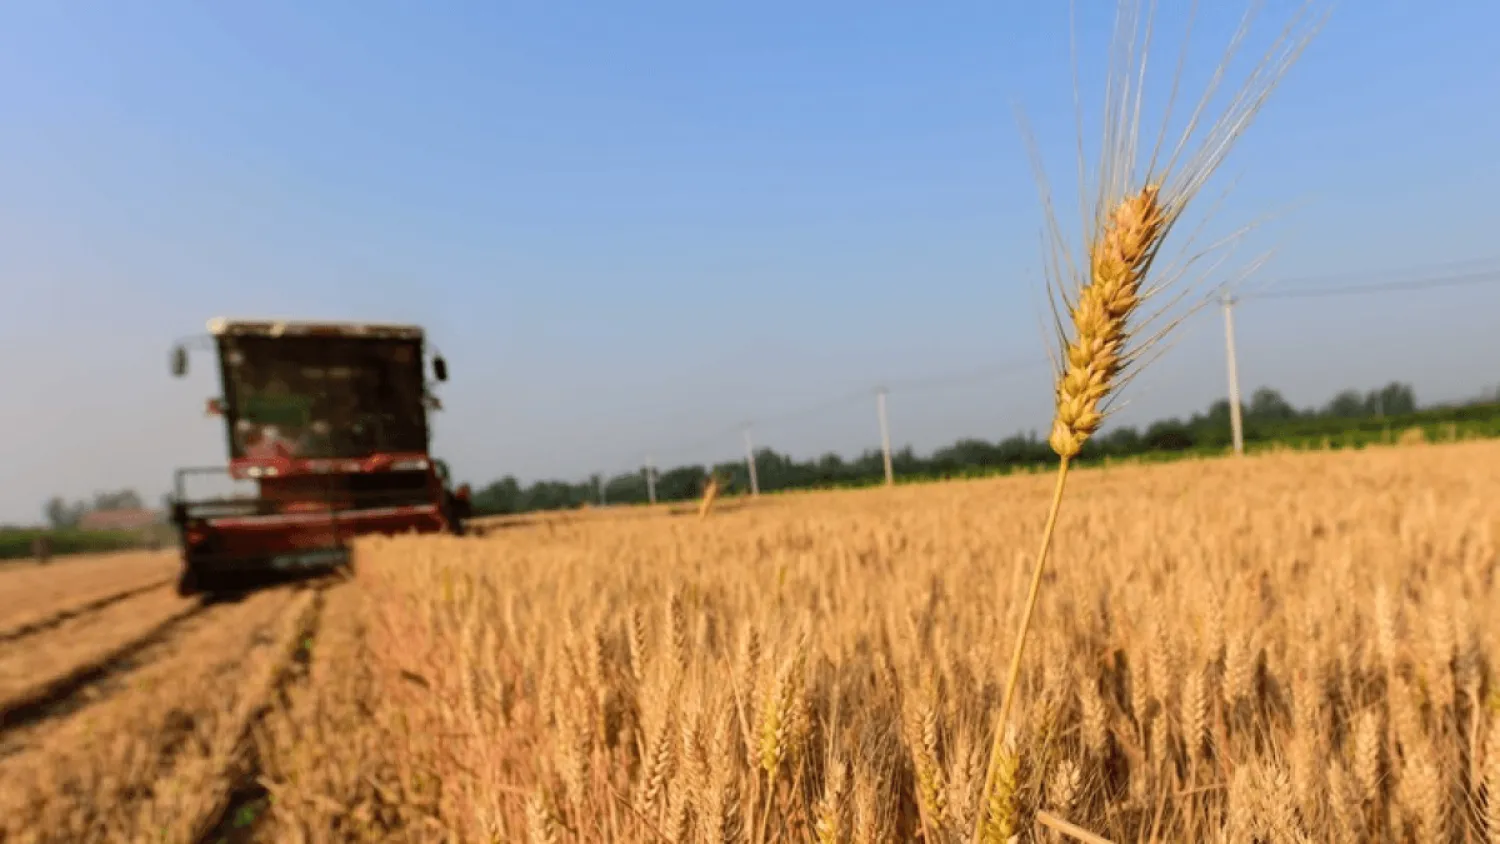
(328, 421)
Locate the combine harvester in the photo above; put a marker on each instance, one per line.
(329, 419)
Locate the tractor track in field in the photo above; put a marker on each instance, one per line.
(101, 679)
(56, 619)
(239, 818)
(61, 695)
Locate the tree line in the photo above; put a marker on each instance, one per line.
(1266, 416)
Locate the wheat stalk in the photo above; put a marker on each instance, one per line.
(710, 494)
(541, 825)
(1491, 780)
(1132, 217)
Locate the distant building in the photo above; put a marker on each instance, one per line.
(149, 527)
(137, 519)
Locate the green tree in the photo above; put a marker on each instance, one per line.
(502, 497)
(1394, 399)
(1168, 435)
(1348, 404)
(125, 499)
(60, 514)
(1267, 405)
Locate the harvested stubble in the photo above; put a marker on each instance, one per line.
(332, 754)
(32, 594)
(191, 796)
(106, 769)
(1287, 647)
(30, 667)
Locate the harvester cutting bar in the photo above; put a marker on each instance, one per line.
(298, 523)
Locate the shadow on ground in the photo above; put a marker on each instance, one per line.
(236, 589)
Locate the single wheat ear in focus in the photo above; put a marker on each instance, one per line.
(1095, 354)
(1098, 297)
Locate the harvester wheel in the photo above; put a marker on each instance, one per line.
(187, 582)
(455, 512)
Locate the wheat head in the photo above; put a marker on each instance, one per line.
(1095, 354)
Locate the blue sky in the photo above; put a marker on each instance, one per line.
(630, 227)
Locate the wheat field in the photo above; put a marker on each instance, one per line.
(1285, 647)
(1281, 648)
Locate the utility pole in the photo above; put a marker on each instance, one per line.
(750, 464)
(650, 480)
(1236, 425)
(602, 501)
(885, 435)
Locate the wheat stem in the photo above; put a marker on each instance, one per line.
(1020, 647)
(1073, 831)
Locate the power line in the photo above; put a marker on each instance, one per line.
(814, 409)
(1429, 270)
(723, 433)
(905, 386)
(969, 378)
(1463, 280)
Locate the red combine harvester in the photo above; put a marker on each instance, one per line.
(330, 421)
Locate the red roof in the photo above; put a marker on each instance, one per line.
(119, 519)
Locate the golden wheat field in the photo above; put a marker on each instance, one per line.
(1288, 647)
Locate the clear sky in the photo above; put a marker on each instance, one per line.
(631, 226)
